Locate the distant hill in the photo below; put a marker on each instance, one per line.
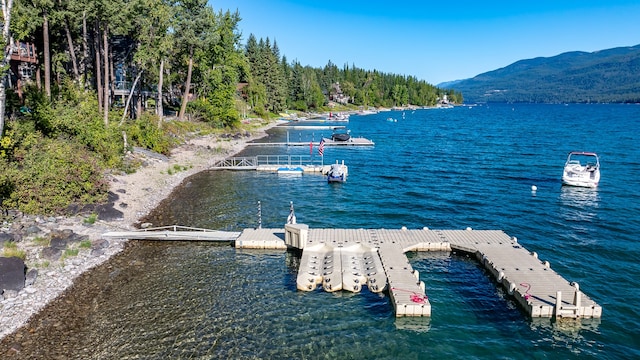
(611, 75)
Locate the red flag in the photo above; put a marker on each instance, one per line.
(311, 148)
(321, 148)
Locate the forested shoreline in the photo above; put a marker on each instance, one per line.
(110, 75)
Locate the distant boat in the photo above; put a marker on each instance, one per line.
(581, 169)
(336, 174)
(390, 119)
(339, 117)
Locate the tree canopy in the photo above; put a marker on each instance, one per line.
(108, 75)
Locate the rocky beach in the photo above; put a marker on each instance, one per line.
(61, 249)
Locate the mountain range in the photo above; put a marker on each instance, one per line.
(611, 75)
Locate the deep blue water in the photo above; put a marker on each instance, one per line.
(445, 169)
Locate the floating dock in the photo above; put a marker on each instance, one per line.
(313, 127)
(350, 259)
(273, 163)
(354, 141)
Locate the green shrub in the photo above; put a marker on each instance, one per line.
(145, 133)
(75, 117)
(54, 175)
(217, 112)
(85, 244)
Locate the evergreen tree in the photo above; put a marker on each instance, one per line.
(194, 22)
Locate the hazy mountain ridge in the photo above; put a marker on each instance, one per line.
(611, 75)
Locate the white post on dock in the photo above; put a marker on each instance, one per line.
(259, 215)
(321, 150)
(291, 219)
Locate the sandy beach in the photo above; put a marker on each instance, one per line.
(137, 194)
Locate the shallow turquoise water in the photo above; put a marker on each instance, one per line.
(445, 169)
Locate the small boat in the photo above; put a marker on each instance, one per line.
(581, 169)
(342, 135)
(336, 173)
(339, 117)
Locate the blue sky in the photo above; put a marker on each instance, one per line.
(435, 41)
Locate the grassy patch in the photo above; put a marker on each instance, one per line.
(41, 241)
(70, 253)
(219, 149)
(11, 250)
(176, 168)
(86, 244)
(91, 219)
(43, 265)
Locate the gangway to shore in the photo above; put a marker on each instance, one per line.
(272, 163)
(174, 233)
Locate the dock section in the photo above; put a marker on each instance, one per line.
(347, 259)
(354, 141)
(272, 163)
(350, 259)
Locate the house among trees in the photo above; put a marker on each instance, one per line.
(336, 94)
(23, 64)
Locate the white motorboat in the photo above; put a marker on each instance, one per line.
(582, 169)
(337, 173)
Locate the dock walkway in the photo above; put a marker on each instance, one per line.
(175, 233)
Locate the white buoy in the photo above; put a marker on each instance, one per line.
(534, 188)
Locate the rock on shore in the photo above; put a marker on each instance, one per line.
(50, 247)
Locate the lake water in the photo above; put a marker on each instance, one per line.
(445, 169)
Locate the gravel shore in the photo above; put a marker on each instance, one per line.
(135, 196)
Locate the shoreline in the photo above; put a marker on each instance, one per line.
(137, 195)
